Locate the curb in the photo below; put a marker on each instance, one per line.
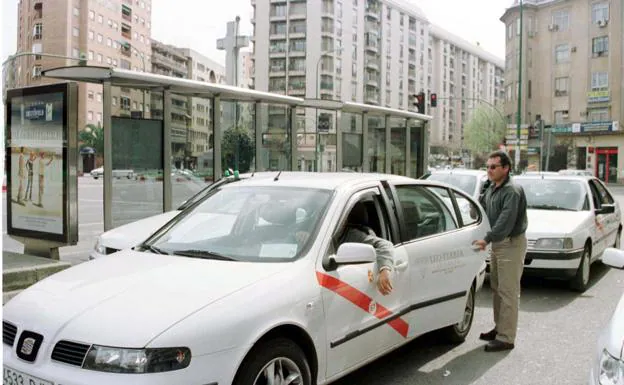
(21, 278)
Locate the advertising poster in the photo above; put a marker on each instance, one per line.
(36, 150)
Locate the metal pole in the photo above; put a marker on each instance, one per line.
(107, 122)
(519, 117)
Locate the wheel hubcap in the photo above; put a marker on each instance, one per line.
(468, 312)
(280, 371)
(586, 268)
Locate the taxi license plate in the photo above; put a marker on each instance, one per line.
(15, 377)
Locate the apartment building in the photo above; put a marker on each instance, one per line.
(104, 32)
(191, 117)
(572, 77)
(379, 52)
(464, 77)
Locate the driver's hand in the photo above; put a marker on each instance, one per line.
(383, 282)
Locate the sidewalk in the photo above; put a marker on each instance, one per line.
(19, 271)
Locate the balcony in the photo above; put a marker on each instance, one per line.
(371, 97)
(372, 64)
(126, 13)
(372, 80)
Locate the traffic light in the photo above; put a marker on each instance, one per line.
(420, 102)
(434, 100)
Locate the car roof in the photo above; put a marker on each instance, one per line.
(555, 176)
(324, 180)
(461, 171)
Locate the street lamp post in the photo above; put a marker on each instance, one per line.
(519, 116)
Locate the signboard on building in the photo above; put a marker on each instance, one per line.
(41, 162)
(598, 96)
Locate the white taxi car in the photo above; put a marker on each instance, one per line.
(608, 364)
(572, 220)
(470, 181)
(244, 289)
(132, 234)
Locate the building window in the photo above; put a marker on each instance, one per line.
(278, 28)
(100, 19)
(100, 38)
(278, 10)
(90, 116)
(75, 32)
(91, 55)
(561, 116)
(561, 86)
(91, 35)
(75, 53)
(600, 46)
(99, 117)
(561, 19)
(600, 81)
(91, 15)
(125, 102)
(38, 31)
(562, 53)
(98, 97)
(76, 12)
(99, 58)
(510, 31)
(599, 115)
(600, 12)
(90, 95)
(109, 42)
(114, 100)
(36, 72)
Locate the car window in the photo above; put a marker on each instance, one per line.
(603, 194)
(424, 210)
(465, 183)
(553, 194)
(470, 213)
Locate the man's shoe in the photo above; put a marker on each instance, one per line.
(498, 346)
(489, 336)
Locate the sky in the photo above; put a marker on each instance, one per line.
(197, 24)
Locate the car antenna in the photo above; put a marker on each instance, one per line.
(277, 176)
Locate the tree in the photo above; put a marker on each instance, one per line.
(92, 136)
(237, 149)
(484, 131)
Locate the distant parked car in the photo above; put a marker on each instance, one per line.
(99, 172)
(470, 181)
(576, 172)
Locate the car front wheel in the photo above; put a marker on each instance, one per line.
(279, 361)
(580, 282)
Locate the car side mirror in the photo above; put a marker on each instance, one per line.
(353, 253)
(614, 258)
(605, 209)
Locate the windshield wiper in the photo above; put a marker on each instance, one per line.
(549, 207)
(154, 249)
(203, 254)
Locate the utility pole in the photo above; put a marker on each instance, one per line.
(519, 117)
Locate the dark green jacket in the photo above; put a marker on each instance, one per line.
(506, 208)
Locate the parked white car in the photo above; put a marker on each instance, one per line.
(132, 234)
(608, 363)
(470, 181)
(572, 220)
(97, 173)
(242, 289)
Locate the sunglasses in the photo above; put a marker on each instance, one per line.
(494, 166)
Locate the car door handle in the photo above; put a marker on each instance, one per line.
(401, 265)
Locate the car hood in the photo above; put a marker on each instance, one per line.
(544, 222)
(130, 235)
(130, 298)
(614, 332)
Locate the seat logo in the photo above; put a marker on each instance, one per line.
(28, 346)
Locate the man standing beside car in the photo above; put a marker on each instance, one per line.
(506, 208)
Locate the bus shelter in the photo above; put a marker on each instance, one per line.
(166, 137)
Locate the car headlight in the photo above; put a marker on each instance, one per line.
(99, 248)
(122, 360)
(553, 243)
(611, 370)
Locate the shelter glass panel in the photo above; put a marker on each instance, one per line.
(416, 145)
(398, 138)
(352, 142)
(376, 151)
(238, 141)
(326, 150)
(275, 129)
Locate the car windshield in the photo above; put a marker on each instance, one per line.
(553, 194)
(251, 224)
(466, 183)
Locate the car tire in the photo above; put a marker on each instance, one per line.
(580, 282)
(287, 358)
(457, 333)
